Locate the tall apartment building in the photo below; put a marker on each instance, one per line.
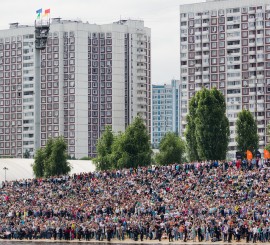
(226, 44)
(165, 110)
(89, 76)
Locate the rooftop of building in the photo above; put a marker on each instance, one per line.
(219, 4)
(59, 20)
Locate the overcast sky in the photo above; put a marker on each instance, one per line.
(162, 16)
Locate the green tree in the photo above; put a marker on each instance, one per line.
(52, 160)
(47, 153)
(171, 148)
(104, 150)
(208, 118)
(116, 151)
(57, 163)
(190, 132)
(267, 147)
(212, 125)
(133, 147)
(247, 137)
(38, 166)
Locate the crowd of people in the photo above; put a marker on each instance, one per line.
(199, 201)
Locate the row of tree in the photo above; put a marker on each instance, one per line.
(132, 148)
(207, 138)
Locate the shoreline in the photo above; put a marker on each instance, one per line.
(116, 241)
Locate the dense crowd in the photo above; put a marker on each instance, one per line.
(210, 201)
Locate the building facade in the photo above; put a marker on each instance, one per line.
(226, 44)
(89, 76)
(165, 110)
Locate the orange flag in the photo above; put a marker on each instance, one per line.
(266, 154)
(249, 155)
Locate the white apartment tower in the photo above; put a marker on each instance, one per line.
(226, 44)
(90, 76)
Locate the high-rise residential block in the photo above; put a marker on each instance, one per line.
(165, 110)
(226, 44)
(87, 77)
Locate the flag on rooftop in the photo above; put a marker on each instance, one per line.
(47, 11)
(38, 12)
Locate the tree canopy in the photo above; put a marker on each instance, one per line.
(190, 132)
(126, 150)
(135, 145)
(104, 150)
(207, 126)
(247, 137)
(172, 148)
(52, 160)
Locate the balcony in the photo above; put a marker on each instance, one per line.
(142, 38)
(205, 48)
(205, 40)
(234, 46)
(260, 68)
(261, 125)
(205, 24)
(142, 102)
(259, 27)
(141, 88)
(140, 109)
(206, 80)
(260, 118)
(141, 68)
(141, 74)
(205, 64)
(142, 81)
(205, 32)
(142, 60)
(233, 54)
(142, 52)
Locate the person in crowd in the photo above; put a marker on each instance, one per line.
(198, 200)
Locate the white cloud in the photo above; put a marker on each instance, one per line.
(162, 16)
